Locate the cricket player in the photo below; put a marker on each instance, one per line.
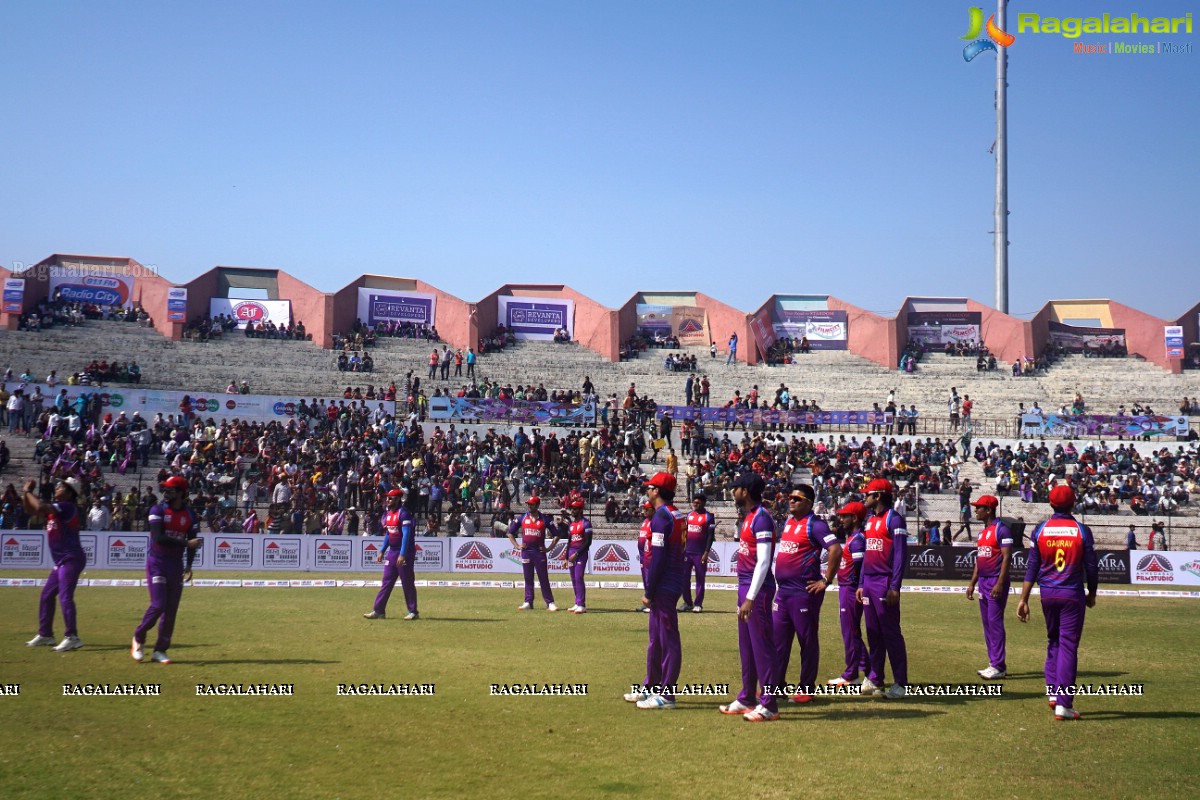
(802, 584)
(850, 520)
(534, 527)
(663, 584)
(63, 520)
(644, 545)
(579, 545)
(756, 591)
(701, 532)
(398, 556)
(994, 548)
(885, 541)
(1062, 559)
(174, 538)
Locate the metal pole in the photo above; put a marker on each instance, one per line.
(1001, 226)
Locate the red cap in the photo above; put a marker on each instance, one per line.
(986, 501)
(175, 482)
(880, 485)
(534, 500)
(662, 480)
(647, 506)
(1062, 496)
(579, 504)
(396, 493)
(854, 507)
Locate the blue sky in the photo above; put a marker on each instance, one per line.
(739, 149)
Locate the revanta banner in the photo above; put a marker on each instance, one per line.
(377, 305)
(536, 318)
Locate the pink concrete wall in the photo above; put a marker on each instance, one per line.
(200, 291)
(1143, 334)
(1191, 327)
(1039, 329)
(627, 319)
(725, 319)
(871, 336)
(311, 306)
(1007, 337)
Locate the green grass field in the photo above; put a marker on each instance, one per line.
(464, 742)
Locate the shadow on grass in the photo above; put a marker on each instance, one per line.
(456, 619)
(791, 713)
(296, 662)
(1139, 715)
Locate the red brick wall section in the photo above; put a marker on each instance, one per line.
(1007, 337)
(725, 319)
(869, 335)
(1143, 334)
(311, 306)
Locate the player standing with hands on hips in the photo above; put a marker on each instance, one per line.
(1062, 557)
(398, 554)
(991, 574)
(62, 535)
(533, 528)
(174, 534)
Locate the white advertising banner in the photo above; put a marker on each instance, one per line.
(81, 283)
(1164, 567)
(256, 311)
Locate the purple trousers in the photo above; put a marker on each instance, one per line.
(992, 613)
(698, 563)
(1064, 627)
(850, 613)
(60, 584)
(883, 632)
(408, 582)
(530, 564)
(664, 653)
(756, 646)
(166, 588)
(798, 615)
(578, 570)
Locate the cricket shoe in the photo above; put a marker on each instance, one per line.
(636, 697)
(375, 615)
(551, 607)
(761, 714)
(869, 689)
(1064, 714)
(800, 697)
(686, 607)
(40, 641)
(580, 610)
(68, 643)
(837, 682)
(656, 702)
(736, 707)
(896, 692)
(159, 657)
(991, 673)
(573, 608)
(136, 652)
(412, 615)
(696, 609)
(525, 607)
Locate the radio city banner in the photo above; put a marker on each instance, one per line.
(376, 305)
(256, 311)
(535, 318)
(81, 284)
(177, 304)
(14, 295)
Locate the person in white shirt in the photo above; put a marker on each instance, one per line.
(99, 518)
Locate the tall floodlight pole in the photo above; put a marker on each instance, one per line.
(1001, 231)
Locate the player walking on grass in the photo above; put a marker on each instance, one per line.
(797, 608)
(991, 574)
(1062, 559)
(756, 591)
(579, 544)
(701, 531)
(879, 583)
(62, 534)
(398, 556)
(174, 536)
(850, 519)
(663, 584)
(534, 527)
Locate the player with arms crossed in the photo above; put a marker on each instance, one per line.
(174, 535)
(1062, 557)
(534, 526)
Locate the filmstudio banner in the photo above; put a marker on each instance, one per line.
(687, 323)
(377, 305)
(535, 318)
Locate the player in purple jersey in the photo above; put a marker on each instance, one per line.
(1062, 559)
(398, 556)
(796, 611)
(879, 583)
(850, 520)
(701, 531)
(62, 536)
(663, 584)
(174, 533)
(994, 549)
(756, 591)
(579, 544)
(534, 527)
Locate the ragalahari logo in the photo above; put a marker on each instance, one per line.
(994, 35)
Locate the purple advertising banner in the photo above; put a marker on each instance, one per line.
(375, 306)
(535, 317)
(766, 416)
(826, 329)
(515, 412)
